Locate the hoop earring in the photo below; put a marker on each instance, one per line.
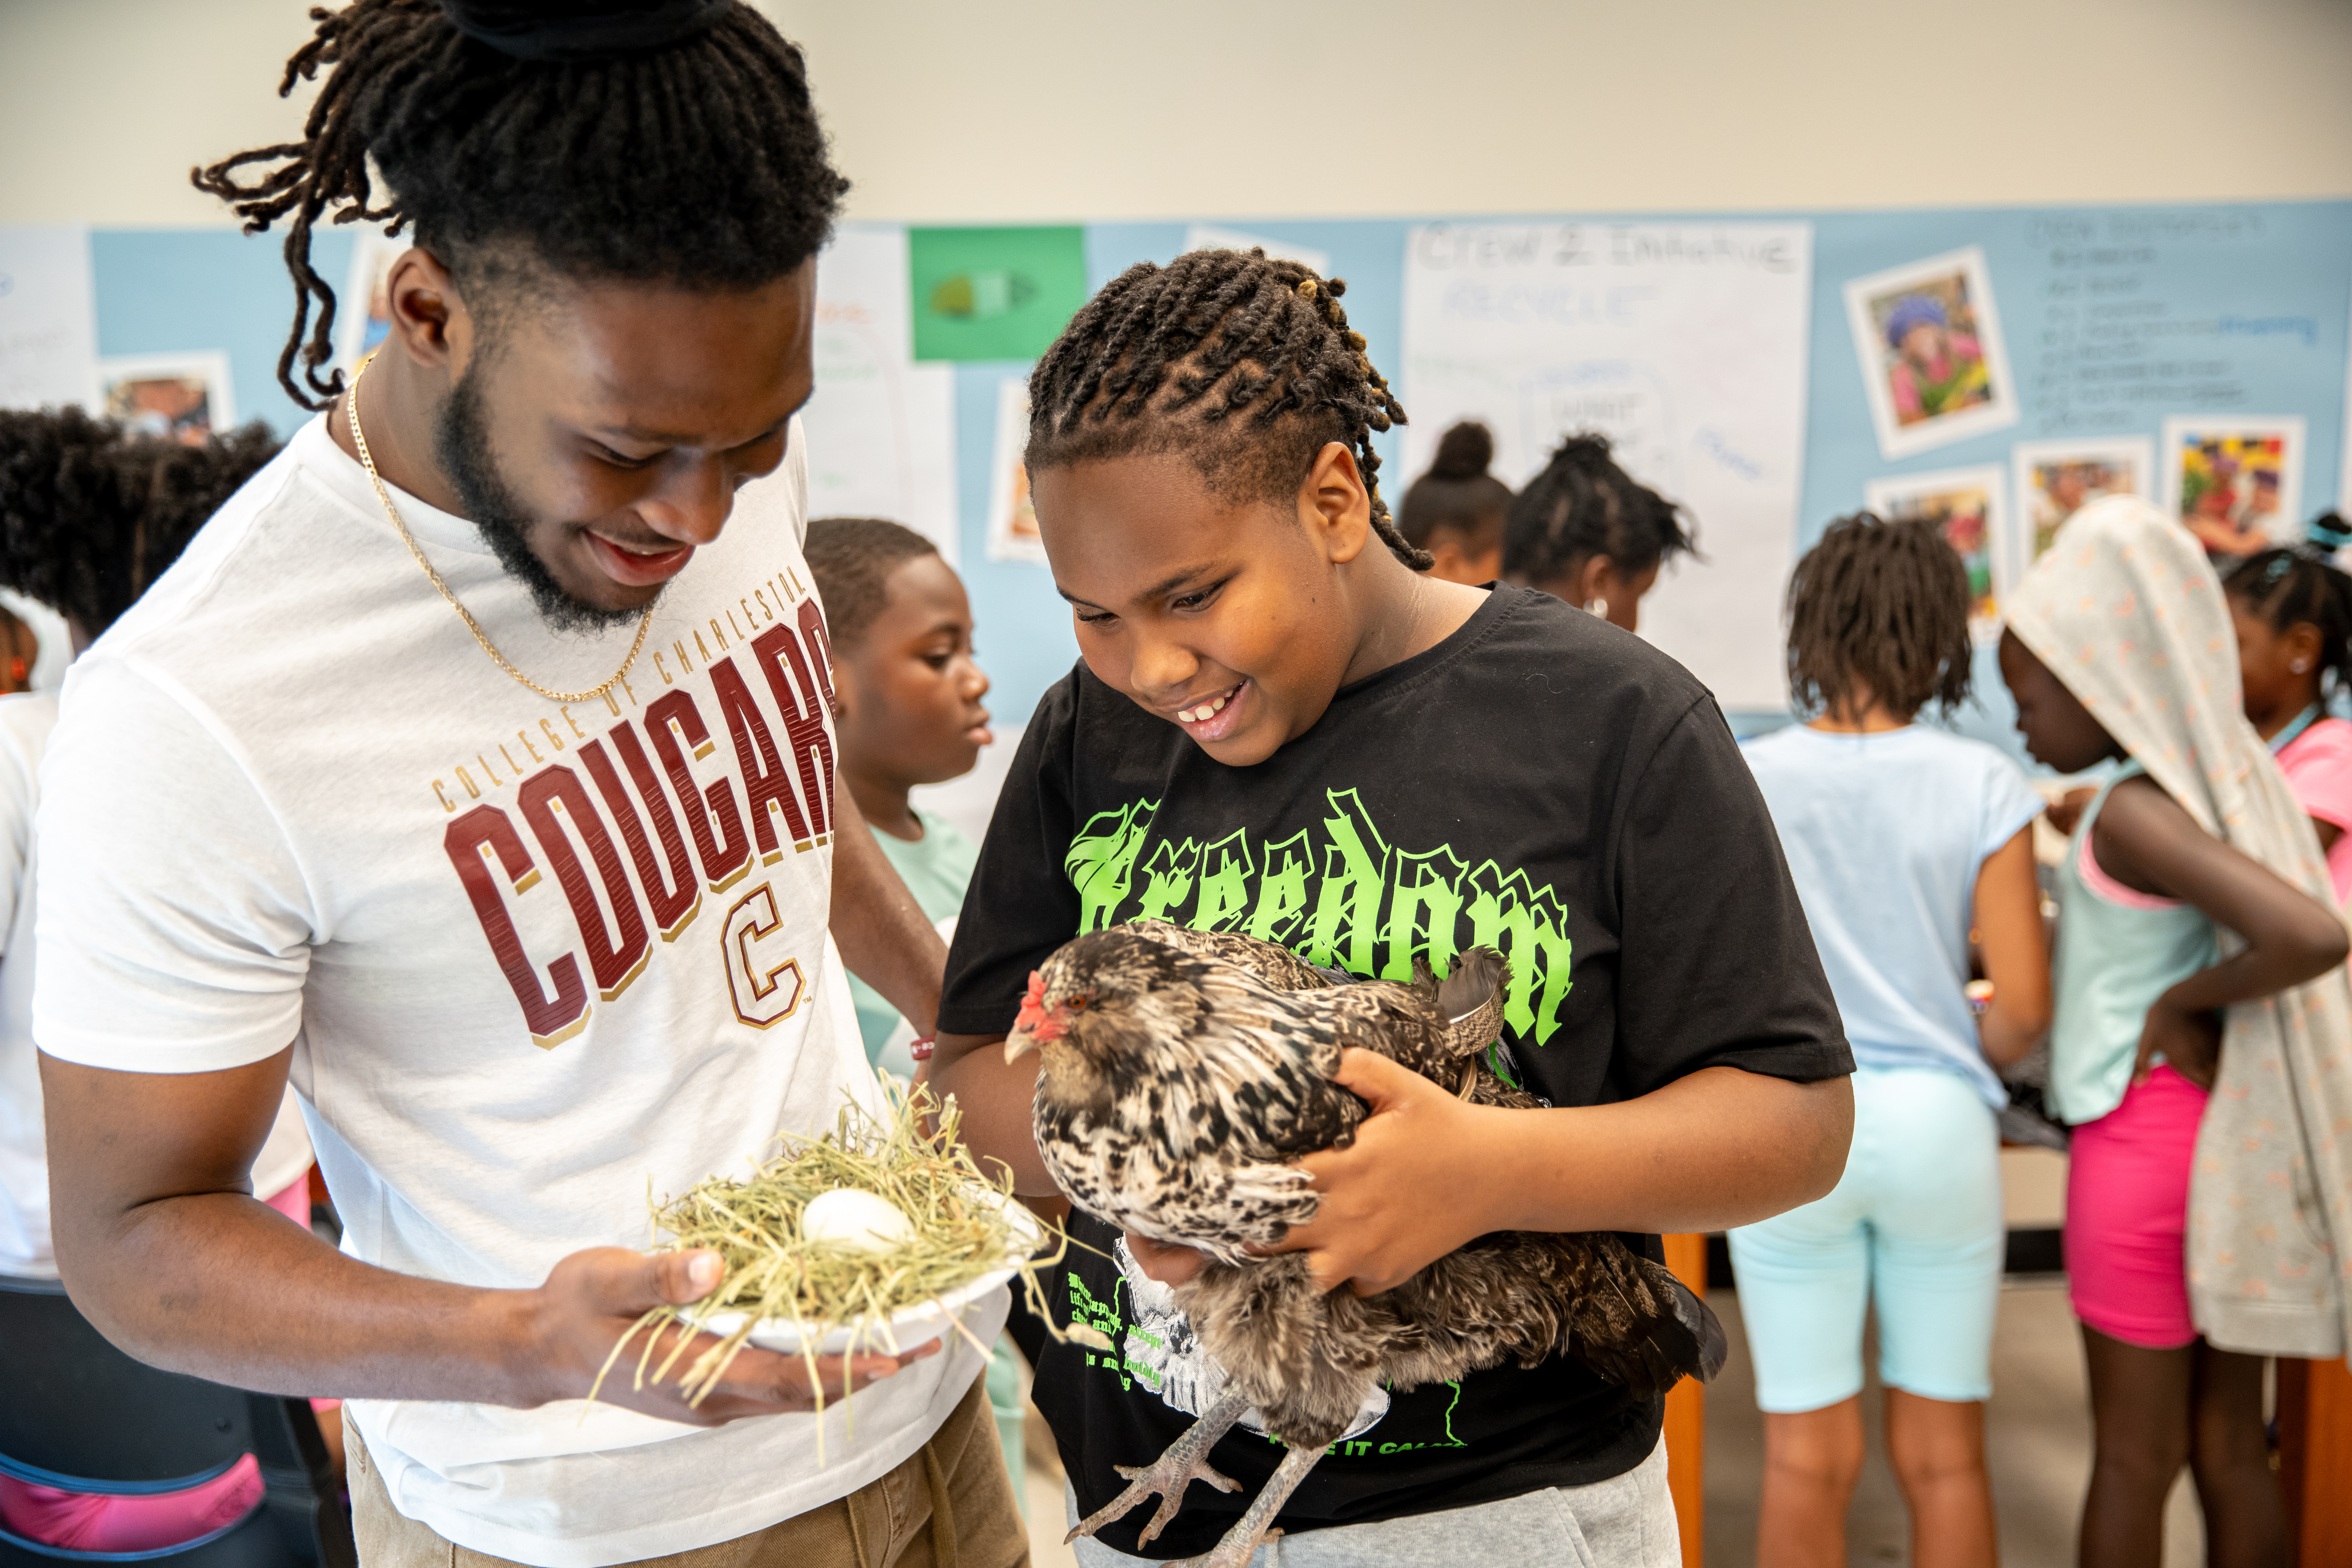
(1597, 607)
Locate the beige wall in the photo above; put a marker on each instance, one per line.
(1080, 108)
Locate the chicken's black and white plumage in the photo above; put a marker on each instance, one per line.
(1182, 1075)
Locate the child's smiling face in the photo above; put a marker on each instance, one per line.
(1235, 620)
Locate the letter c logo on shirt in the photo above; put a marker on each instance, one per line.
(768, 987)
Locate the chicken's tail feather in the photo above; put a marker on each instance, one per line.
(1657, 1332)
(1705, 1327)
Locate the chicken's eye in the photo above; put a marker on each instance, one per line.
(1078, 1003)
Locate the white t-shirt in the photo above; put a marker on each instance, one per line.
(25, 720)
(534, 959)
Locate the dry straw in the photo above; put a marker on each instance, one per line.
(965, 1223)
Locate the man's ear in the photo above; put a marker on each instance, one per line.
(429, 319)
(1334, 503)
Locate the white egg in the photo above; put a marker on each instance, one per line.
(857, 1221)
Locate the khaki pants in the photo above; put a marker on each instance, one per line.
(948, 1506)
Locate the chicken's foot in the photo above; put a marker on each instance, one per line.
(1186, 1461)
(1252, 1530)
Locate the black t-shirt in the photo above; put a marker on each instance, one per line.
(1540, 783)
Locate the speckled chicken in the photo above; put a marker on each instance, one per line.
(1182, 1074)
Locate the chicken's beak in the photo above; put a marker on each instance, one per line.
(1030, 1029)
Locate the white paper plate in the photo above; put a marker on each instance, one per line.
(908, 1329)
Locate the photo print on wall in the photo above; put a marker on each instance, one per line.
(2235, 480)
(1966, 507)
(1933, 362)
(1012, 516)
(182, 397)
(2056, 479)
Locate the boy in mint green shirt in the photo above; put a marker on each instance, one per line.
(907, 712)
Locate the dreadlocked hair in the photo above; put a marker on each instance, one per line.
(91, 514)
(1582, 505)
(699, 165)
(1457, 492)
(2295, 586)
(852, 559)
(1879, 609)
(1244, 364)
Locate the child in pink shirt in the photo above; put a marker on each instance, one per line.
(2293, 616)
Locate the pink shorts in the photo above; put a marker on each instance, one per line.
(92, 1522)
(106, 1521)
(2128, 1214)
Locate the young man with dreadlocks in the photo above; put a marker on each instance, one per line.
(1282, 726)
(475, 769)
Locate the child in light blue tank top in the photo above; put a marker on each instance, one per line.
(1899, 837)
(2122, 950)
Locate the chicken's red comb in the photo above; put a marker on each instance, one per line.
(1033, 1007)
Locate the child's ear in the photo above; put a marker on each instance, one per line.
(845, 688)
(2302, 640)
(1334, 503)
(1594, 580)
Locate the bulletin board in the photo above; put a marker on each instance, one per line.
(2196, 354)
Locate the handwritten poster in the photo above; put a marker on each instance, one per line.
(48, 330)
(1686, 343)
(880, 429)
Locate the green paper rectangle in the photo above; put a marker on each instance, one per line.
(993, 293)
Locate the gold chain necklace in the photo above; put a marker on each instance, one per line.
(359, 439)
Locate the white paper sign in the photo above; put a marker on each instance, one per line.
(880, 429)
(48, 328)
(362, 311)
(1208, 236)
(1686, 343)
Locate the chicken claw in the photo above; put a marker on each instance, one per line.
(1186, 1461)
(1255, 1527)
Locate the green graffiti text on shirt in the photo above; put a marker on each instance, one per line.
(1338, 894)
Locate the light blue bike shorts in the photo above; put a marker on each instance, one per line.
(1915, 1223)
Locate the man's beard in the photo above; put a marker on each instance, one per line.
(461, 444)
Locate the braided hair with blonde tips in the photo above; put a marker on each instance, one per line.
(576, 143)
(1243, 364)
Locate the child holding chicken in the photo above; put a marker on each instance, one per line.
(1282, 727)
